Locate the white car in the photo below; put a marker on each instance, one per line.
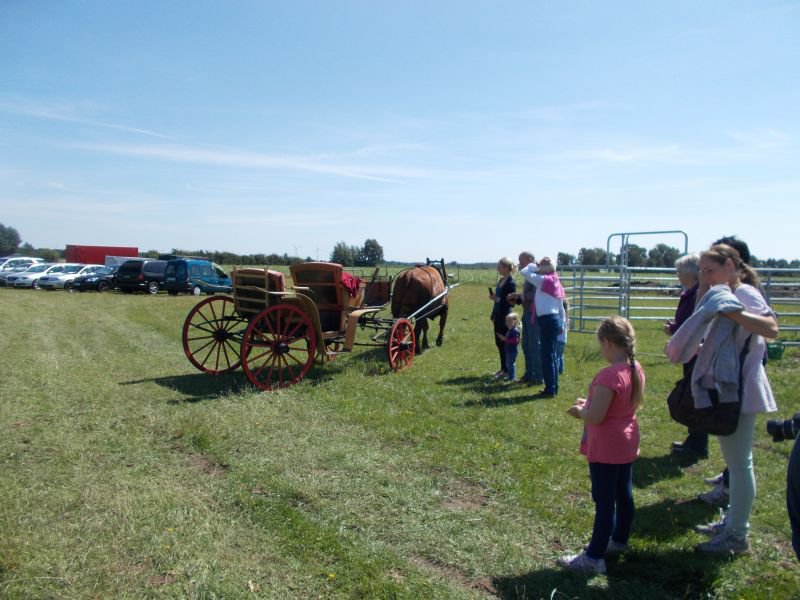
(63, 279)
(12, 262)
(30, 277)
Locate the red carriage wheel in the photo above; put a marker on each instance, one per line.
(400, 345)
(278, 347)
(211, 335)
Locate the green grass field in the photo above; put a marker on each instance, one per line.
(127, 474)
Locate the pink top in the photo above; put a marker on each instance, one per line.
(615, 440)
(757, 394)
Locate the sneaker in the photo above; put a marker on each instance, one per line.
(613, 548)
(719, 496)
(500, 374)
(682, 449)
(715, 480)
(725, 543)
(713, 528)
(582, 562)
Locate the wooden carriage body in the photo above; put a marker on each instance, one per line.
(276, 332)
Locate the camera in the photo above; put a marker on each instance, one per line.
(786, 429)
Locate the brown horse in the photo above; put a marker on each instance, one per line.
(416, 287)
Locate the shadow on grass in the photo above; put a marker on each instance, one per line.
(199, 386)
(648, 470)
(490, 391)
(670, 519)
(636, 575)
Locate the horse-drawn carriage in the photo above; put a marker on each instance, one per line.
(276, 332)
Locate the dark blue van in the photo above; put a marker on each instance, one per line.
(195, 276)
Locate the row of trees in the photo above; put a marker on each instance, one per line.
(368, 255)
(661, 255)
(371, 254)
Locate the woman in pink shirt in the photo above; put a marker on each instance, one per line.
(611, 443)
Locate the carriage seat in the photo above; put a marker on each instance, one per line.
(322, 282)
(252, 287)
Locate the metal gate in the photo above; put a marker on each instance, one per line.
(651, 294)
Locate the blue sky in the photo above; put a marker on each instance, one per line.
(464, 130)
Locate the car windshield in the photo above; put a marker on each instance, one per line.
(56, 269)
(38, 268)
(104, 271)
(72, 268)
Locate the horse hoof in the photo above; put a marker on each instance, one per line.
(439, 341)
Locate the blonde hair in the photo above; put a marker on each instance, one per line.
(508, 263)
(719, 253)
(619, 332)
(512, 318)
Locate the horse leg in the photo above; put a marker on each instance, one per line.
(442, 322)
(421, 333)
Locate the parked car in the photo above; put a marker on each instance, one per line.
(12, 262)
(141, 275)
(63, 280)
(195, 276)
(101, 280)
(30, 277)
(4, 275)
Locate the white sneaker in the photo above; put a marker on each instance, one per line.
(725, 543)
(613, 548)
(719, 496)
(582, 562)
(715, 480)
(714, 528)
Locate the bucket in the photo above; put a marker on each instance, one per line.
(775, 350)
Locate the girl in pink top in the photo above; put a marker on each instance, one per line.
(610, 443)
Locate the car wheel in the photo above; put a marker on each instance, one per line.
(103, 286)
(152, 287)
(35, 285)
(69, 287)
(196, 291)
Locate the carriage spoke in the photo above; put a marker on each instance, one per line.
(288, 334)
(207, 333)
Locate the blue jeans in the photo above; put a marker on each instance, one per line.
(511, 359)
(530, 348)
(612, 492)
(549, 326)
(560, 356)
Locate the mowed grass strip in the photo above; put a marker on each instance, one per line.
(126, 473)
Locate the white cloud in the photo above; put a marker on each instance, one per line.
(244, 159)
(70, 114)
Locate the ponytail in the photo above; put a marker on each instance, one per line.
(619, 331)
(637, 395)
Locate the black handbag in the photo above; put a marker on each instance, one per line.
(721, 418)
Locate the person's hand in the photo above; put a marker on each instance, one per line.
(575, 409)
(512, 298)
(668, 326)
